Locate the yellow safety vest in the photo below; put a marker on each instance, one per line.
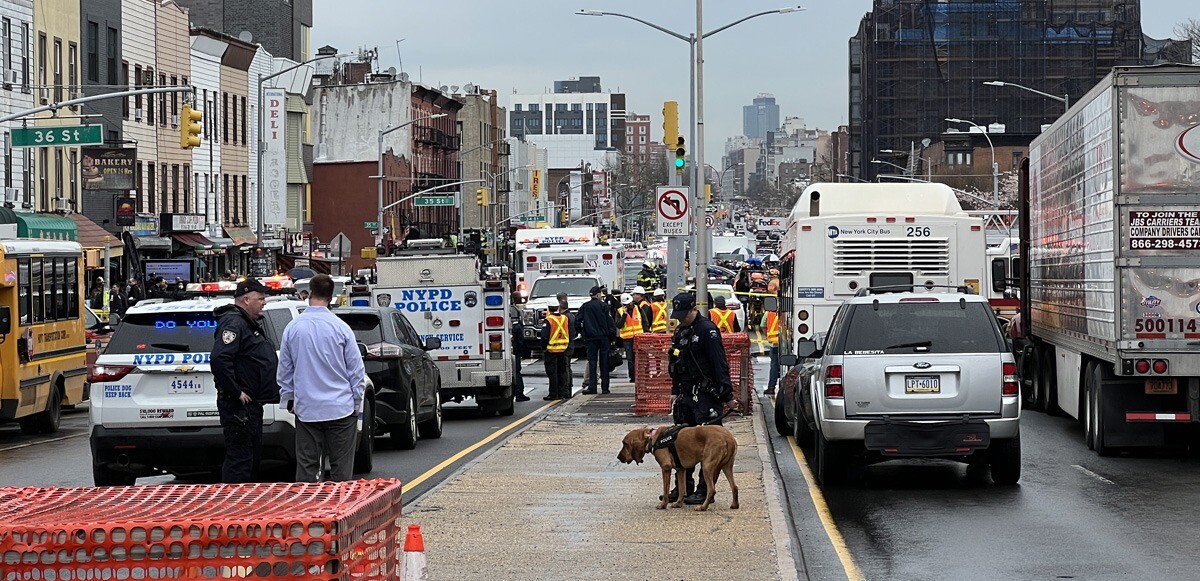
(632, 317)
(560, 338)
(659, 324)
(772, 328)
(723, 319)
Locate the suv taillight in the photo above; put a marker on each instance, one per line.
(1011, 387)
(106, 373)
(383, 351)
(833, 382)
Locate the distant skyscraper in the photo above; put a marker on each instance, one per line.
(761, 117)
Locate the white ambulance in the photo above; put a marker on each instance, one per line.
(441, 295)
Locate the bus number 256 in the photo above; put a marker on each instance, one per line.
(917, 232)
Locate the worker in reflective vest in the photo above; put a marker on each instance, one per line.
(556, 342)
(725, 319)
(633, 322)
(770, 322)
(658, 310)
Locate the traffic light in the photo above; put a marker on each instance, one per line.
(708, 193)
(190, 127)
(481, 196)
(680, 155)
(670, 112)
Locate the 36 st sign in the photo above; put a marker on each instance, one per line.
(61, 136)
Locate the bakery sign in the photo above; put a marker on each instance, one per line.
(108, 168)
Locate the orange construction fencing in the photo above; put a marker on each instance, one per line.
(652, 380)
(330, 530)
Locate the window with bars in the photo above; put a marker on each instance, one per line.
(93, 51)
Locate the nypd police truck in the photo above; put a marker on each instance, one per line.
(441, 295)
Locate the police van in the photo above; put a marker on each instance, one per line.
(441, 295)
(154, 401)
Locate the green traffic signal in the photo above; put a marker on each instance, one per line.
(679, 161)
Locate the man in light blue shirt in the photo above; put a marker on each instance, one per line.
(322, 379)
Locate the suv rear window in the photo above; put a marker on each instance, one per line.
(164, 333)
(365, 326)
(944, 327)
(182, 332)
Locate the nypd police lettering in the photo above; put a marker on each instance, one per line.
(427, 300)
(171, 358)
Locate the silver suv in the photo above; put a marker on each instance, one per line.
(911, 375)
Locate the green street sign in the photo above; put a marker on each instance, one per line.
(63, 135)
(533, 218)
(370, 225)
(433, 201)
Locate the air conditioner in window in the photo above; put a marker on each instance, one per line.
(45, 95)
(174, 121)
(137, 114)
(62, 204)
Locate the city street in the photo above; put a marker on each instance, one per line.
(1074, 515)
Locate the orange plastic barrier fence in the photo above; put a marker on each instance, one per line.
(652, 380)
(330, 530)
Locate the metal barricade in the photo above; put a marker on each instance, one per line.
(652, 380)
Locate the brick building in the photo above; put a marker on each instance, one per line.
(282, 27)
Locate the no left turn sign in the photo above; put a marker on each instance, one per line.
(672, 208)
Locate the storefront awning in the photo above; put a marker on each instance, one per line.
(241, 235)
(195, 241)
(41, 226)
(92, 237)
(153, 243)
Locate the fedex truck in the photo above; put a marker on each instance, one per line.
(1110, 226)
(842, 238)
(442, 296)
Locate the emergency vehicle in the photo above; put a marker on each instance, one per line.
(527, 238)
(602, 261)
(841, 238)
(441, 295)
(153, 406)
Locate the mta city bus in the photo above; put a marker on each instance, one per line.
(43, 347)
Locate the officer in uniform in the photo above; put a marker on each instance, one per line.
(243, 364)
(700, 383)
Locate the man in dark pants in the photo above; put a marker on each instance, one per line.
(556, 334)
(517, 329)
(243, 366)
(599, 332)
(701, 387)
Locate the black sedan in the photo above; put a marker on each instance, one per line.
(793, 403)
(406, 379)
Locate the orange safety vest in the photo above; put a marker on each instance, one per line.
(659, 324)
(560, 338)
(723, 319)
(772, 327)
(632, 317)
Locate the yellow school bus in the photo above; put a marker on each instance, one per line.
(43, 348)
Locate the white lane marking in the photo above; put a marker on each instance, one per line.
(26, 445)
(1092, 474)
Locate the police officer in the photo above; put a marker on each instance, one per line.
(243, 365)
(700, 383)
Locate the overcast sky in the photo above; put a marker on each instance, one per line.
(525, 45)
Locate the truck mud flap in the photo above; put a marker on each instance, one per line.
(903, 438)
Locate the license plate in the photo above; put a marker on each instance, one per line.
(185, 384)
(1161, 386)
(922, 384)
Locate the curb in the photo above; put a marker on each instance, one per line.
(775, 509)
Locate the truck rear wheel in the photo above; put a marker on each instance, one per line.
(1048, 381)
(1096, 374)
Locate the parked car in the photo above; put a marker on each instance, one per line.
(732, 302)
(906, 375)
(154, 403)
(97, 333)
(407, 382)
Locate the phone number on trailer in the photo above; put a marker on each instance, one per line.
(1164, 243)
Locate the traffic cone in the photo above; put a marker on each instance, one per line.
(414, 567)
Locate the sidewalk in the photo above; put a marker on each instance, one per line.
(554, 503)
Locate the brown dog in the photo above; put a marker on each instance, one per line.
(713, 447)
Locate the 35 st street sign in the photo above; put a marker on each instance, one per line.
(60, 136)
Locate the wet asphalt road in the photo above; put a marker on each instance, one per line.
(64, 459)
(1074, 515)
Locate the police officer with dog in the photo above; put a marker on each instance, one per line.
(701, 388)
(243, 366)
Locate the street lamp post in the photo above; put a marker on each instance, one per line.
(897, 166)
(1065, 99)
(262, 198)
(995, 167)
(381, 176)
(696, 96)
(494, 202)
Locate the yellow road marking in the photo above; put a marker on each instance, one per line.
(455, 458)
(835, 536)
